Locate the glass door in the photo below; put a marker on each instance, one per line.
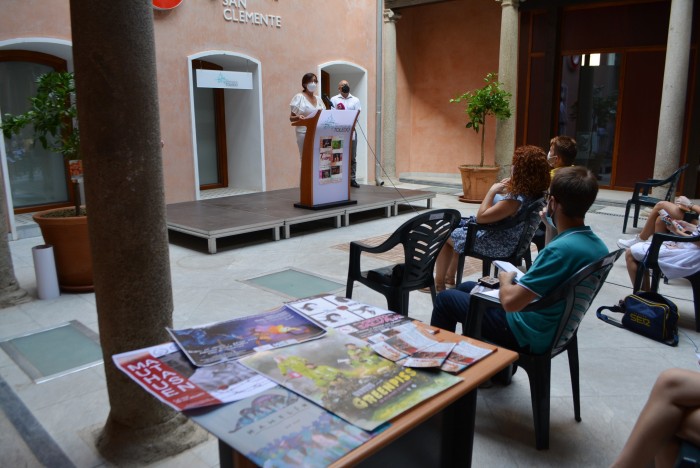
(588, 106)
(210, 127)
(38, 177)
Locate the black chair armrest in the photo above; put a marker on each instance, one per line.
(356, 249)
(653, 253)
(478, 304)
(643, 188)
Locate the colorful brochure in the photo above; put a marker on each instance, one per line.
(165, 373)
(342, 374)
(222, 341)
(464, 355)
(432, 356)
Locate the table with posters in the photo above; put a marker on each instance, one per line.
(437, 432)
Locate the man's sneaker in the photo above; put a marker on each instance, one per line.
(627, 243)
(354, 184)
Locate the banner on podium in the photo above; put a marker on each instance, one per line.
(331, 164)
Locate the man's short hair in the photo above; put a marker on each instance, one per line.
(575, 188)
(565, 148)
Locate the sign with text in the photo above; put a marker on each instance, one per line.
(236, 12)
(224, 79)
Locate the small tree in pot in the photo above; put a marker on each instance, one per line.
(52, 114)
(491, 99)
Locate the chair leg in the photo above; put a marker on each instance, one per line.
(635, 220)
(485, 267)
(695, 283)
(348, 288)
(460, 268)
(540, 376)
(395, 302)
(572, 353)
(528, 259)
(627, 213)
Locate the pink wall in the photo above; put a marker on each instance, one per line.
(312, 33)
(444, 49)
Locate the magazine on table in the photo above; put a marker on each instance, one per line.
(353, 318)
(432, 356)
(343, 375)
(411, 348)
(463, 355)
(166, 373)
(222, 341)
(278, 428)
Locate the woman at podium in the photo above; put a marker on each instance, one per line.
(303, 104)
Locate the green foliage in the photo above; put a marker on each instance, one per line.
(52, 113)
(491, 99)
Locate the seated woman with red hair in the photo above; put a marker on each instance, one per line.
(529, 180)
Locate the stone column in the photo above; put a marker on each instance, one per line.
(508, 75)
(389, 94)
(118, 114)
(670, 136)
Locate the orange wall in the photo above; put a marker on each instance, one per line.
(443, 50)
(312, 33)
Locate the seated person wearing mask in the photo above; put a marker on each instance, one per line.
(572, 192)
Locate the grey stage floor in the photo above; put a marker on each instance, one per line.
(216, 218)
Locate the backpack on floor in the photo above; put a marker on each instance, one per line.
(647, 313)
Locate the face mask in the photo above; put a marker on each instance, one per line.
(550, 216)
(311, 86)
(551, 159)
(345, 89)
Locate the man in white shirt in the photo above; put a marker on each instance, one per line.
(346, 101)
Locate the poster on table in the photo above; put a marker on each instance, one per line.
(343, 375)
(332, 156)
(363, 321)
(281, 429)
(222, 341)
(165, 372)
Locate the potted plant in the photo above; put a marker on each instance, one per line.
(52, 114)
(491, 99)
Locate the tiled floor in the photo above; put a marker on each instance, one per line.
(617, 367)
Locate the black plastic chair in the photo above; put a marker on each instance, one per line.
(528, 219)
(651, 264)
(641, 196)
(576, 296)
(422, 238)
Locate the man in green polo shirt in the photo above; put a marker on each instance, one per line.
(572, 192)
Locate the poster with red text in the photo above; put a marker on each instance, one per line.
(166, 373)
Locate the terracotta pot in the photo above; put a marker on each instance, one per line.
(476, 182)
(71, 247)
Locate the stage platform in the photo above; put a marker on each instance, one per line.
(215, 218)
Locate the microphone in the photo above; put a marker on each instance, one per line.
(327, 100)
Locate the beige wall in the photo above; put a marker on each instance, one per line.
(444, 49)
(312, 33)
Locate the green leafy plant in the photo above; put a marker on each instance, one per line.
(52, 113)
(491, 99)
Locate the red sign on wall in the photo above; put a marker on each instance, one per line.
(165, 4)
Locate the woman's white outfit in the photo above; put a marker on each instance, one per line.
(301, 105)
(676, 259)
